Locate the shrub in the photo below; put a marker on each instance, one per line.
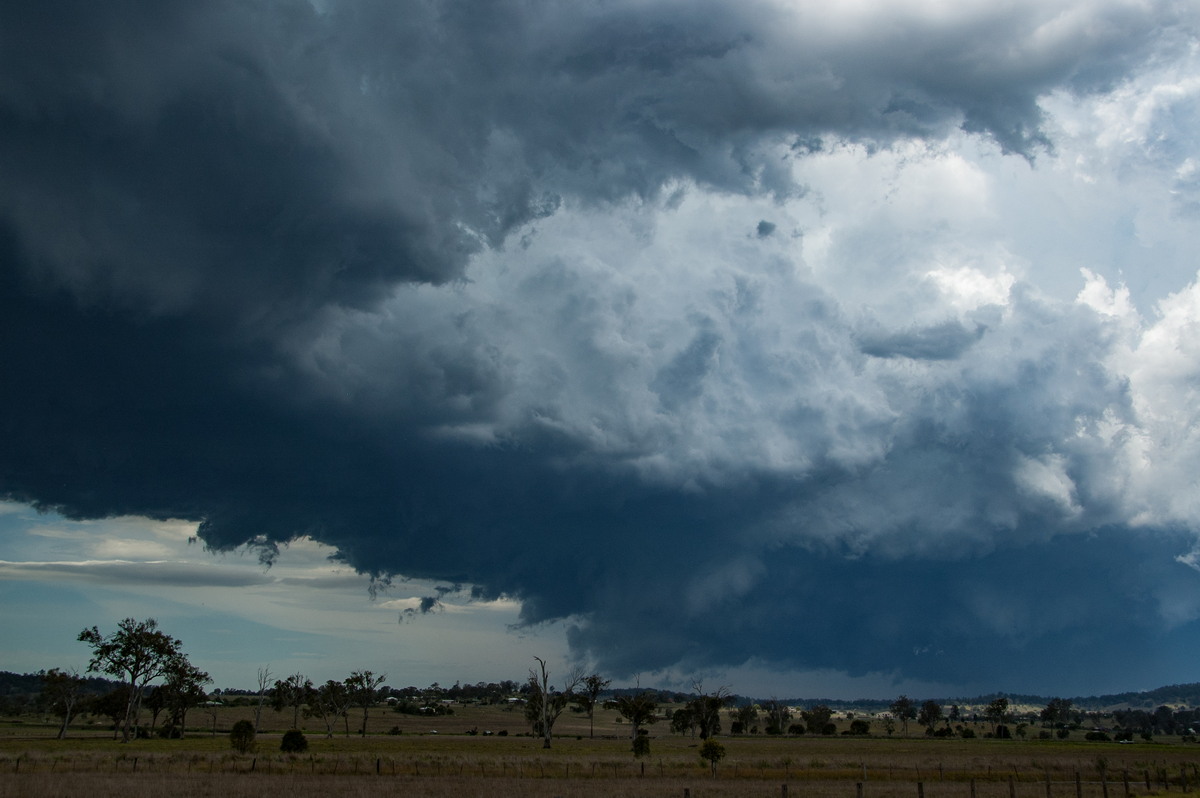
(860, 726)
(829, 728)
(293, 742)
(1002, 732)
(1096, 736)
(1063, 733)
(968, 734)
(241, 736)
(796, 728)
(641, 744)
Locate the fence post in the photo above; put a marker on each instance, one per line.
(1012, 787)
(1078, 786)
(1147, 779)
(858, 790)
(1047, 784)
(1182, 779)
(1125, 779)
(972, 788)
(783, 791)
(1104, 782)
(687, 793)
(920, 789)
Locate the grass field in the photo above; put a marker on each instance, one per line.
(451, 762)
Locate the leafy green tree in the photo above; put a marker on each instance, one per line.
(639, 709)
(112, 705)
(996, 711)
(743, 717)
(930, 715)
(1057, 711)
(63, 693)
(137, 653)
(330, 702)
(364, 692)
(712, 752)
(817, 718)
(293, 692)
(183, 690)
(588, 695)
(683, 721)
(904, 710)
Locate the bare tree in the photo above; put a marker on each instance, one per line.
(778, 715)
(545, 703)
(264, 687)
(705, 709)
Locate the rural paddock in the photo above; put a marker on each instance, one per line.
(517, 766)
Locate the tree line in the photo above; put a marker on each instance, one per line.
(153, 675)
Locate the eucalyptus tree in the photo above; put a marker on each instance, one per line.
(640, 709)
(545, 703)
(588, 695)
(62, 691)
(137, 654)
(363, 687)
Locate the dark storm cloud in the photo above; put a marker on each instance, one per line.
(233, 236)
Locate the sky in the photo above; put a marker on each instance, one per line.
(813, 349)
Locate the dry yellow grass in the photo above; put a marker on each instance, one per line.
(452, 763)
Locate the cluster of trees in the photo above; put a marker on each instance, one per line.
(329, 702)
(137, 653)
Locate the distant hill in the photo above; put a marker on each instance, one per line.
(30, 684)
(1176, 696)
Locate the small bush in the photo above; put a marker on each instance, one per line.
(1002, 732)
(860, 726)
(241, 736)
(1063, 733)
(829, 728)
(395, 730)
(1096, 736)
(293, 742)
(641, 745)
(796, 728)
(968, 734)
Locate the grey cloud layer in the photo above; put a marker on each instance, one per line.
(460, 294)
